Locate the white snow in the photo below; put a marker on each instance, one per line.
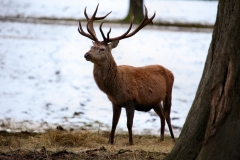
(202, 12)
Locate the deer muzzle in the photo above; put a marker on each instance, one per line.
(87, 56)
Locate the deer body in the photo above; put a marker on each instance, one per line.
(133, 88)
(140, 85)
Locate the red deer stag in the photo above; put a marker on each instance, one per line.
(133, 88)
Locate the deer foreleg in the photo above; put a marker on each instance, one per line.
(116, 115)
(130, 114)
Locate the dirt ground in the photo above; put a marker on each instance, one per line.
(56, 144)
(100, 153)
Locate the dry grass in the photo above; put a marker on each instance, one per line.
(81, 145)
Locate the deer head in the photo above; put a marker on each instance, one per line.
(101, 50)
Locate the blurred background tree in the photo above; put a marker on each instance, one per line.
(136, 10)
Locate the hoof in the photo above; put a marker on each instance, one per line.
(174, 140)
(109, 142)
(162, 138)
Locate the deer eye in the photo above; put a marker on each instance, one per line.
(102, 49)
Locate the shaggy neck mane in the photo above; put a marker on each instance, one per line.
(105, 75)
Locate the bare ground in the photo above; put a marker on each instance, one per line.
(60, 144)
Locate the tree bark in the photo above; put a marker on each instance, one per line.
(136, 10)
(212, 127)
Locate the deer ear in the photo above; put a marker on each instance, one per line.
(93, 42)
(114, 44)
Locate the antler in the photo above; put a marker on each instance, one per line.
(90, 28)
(106, 40)
(144, 22)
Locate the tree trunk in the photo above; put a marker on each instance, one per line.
(136, 10)
(212, 127)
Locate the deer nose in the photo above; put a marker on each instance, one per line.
(87, 55)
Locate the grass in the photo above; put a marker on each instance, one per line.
(56, 144)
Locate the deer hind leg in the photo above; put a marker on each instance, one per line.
(159, 110)
(167, 110)
(116, 115)
(130, 114)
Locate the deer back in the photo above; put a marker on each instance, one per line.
(144, 85)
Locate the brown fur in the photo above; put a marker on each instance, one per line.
(133, 88)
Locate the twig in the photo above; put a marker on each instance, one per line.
(35, 148)
(35, 155)
(121, 151)
(92, 150)
(19, 144)
(10, 148)
(98, 133)
(11, 151)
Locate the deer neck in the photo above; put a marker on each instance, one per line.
(105, 75)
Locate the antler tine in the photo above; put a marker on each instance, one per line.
(81, 31)
(108, 33)
(99, 18)
(144, 22)
(91, 31)
(107, 40)
(94, 14)
(103, 35)
(100, 28)
(85, 13)
(90, 27)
